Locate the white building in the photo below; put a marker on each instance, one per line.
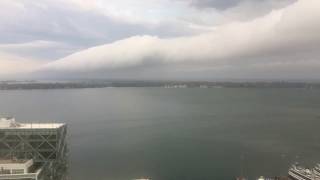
(19, 169)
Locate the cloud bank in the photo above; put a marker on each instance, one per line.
(284, 43)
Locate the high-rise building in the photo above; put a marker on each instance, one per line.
(41, 142)
(44, 143)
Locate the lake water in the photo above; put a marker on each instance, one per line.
(177, 134)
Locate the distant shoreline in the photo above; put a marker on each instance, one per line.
(33, 85)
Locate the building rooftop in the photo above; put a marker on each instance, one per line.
(10, 123)
(40, 125)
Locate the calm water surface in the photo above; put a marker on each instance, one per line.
(177, 134)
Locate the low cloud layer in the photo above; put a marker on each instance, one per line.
(284, 43)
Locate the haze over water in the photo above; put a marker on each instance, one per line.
(173, 134)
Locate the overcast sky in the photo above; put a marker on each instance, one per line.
(160, 39)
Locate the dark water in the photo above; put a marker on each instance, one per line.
(177, 134)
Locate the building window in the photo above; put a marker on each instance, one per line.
(5, 171)
(17, 171)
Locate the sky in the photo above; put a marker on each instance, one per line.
(160, 39)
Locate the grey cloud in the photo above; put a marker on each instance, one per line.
(218, 4)
(59, 23)
(225, 4)
(284, 43)
(45, 50)
(24, 22)
(276, 45)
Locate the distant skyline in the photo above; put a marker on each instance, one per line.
(160, 39)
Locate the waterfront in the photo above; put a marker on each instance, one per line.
(192, 133)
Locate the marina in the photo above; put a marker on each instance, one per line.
(295, 172)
